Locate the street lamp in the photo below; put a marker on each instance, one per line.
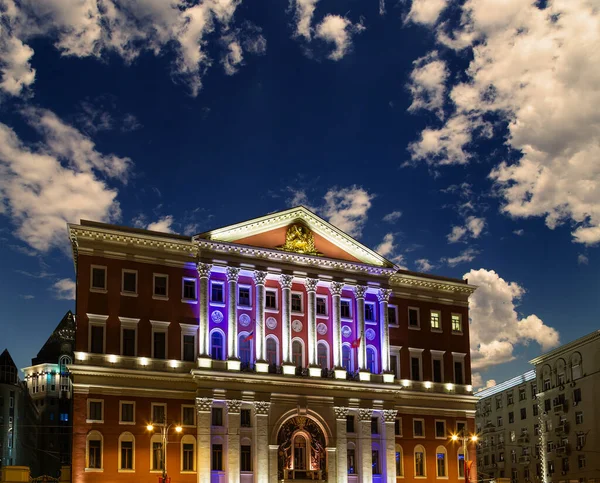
(164, 430)
(464, 438)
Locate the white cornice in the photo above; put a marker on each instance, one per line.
(402, 279)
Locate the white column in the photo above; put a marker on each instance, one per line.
(286, 302)
(364, 438)
(389, 416)
(311, 289)
(233, 440)
(273, 449)
(384, 296)
(359, 292)
(232, 335)
(203, 275)
(341, 443)
(203, 446)
(336, 292)
(331, 465)
(261, 473)
(259, 328)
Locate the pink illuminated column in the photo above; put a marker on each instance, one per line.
(336, 292)
(311, 289)
(359, 292)
(203, 275)
(232, 334)
(286, 305)
(259, 328)
(384, 296)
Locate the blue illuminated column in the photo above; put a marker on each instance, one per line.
(203, 275)
(232, 335)
(384, 296)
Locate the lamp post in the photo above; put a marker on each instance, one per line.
(464, 438)
(164, 430)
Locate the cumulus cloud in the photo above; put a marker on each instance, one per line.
(496, 328)
(478, 383)
(467, 255)
(339, 31)
(347, 208)
(387, 245)
(16, 73)
(582, 259)
(163, 224)
(304, 11)
(64, 289)
(428, 84)
(537, 68)
(519, 232)
(472, 229)
(60, 179)
(424, 265)
(426, 11)
(392, 217)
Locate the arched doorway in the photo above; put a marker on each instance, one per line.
(301, 452)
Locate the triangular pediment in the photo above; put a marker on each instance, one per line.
(297, 230)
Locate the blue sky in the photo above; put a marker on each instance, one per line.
(457, 138)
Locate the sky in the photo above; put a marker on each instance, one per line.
(460, 138)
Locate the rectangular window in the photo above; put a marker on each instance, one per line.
(522, 394)
(126, 455)
(157, 456)
(581, 440)
(296, 302)
(418, 428)
(441, 464)
(95, 411)
(99, 278)
(188, 457)
(581, 461)
(458, 372)
(321, 306)
(374, 425)
(129, 342)
(161, 285)
(350, 424)
(547, 405)
(351, 461)
(94, 454)
(512, 437)
(270, 299)
(375, 462)
(127, 414)
(511, 417)
(546, 384)
(456, 323)
(217, 416)
(510, 398)
(217, 457)
(415, 368)
(461, 428)
(413, 317)
(369, 312)
(394, 365)
(499, 421)
(160, 345)
(97, 339)
(189, 348)
(244, 296)
(158, 413)
(129, 281)
(436, 320)
(523, 413)
(440, 429)
(419, 463)
(535, 410)
(345, 309)
(579, 417)
(216, 293)
(398, 427)
(246, 458)
(393, 315)
(437, 370)
(246, 418)
(188, 414)
(577, 395)
(189, 289)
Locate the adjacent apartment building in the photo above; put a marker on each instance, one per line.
(544, 425)
(279, 348)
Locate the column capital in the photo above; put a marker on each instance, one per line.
(359, 291)
(204, 404)
(259, 277)
(365, 414)
(286, 280)
(384, 294)
(233, 273)
(311, 284)
(233, 406)
(389, 415)
(336, 288)
(262, 408)
(203, 269)
(340, 412)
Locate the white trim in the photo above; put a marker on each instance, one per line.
(298, 339)
(187, 439)
(373, 321)
(398, 449)
(375, 355)
(462, 330)
(416, 353)
(325, 298)
(349, 300)
(130, 438)
(160, 326)
(182, 418)
(274, 337)
(435, 429)
(439, 317)
(98, 321)
(189, 329)
(424, 451)
(124, 292)
(223, 339)
(395, 351)
(95, 289)
(301, 294)
(445, 451)
(413, 428)
(95, 421)
(152, 406)
(97, 435)
(326, 344)
(211, 301)
(130, 324)
(413, 327)
(270, 309)
(394, 323)
(458, 357)
(121, 412)
(240, 306)
(437, 356)
(154, 295)
(352, 364)
(184, 299)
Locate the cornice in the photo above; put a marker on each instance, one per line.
(406, 280)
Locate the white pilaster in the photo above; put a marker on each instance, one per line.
(331, 465)
(203, 447)
(336, 292)
(384, 296)
(359, 292)
(203, 275)
(389, 416)
(341, 443)
(286, 302)
(364, 438)
(259, 328)
(273, 449)
(232, 335)
(233, 440)
(311, 289)
(261, 410)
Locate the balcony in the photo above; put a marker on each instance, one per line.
(523, 439)
(560, 408)
(562, 428)
(524, 460)
(563, 449)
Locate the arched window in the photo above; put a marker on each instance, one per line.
(245, 349)
(399, 461)
(272, 350)
(461, 463)
(347, 362)
(126, 452)
(323, 355)
(372, 359)
(188, 454)
(298, 353)
(156, 450)
(420, 466)
(216, 345)
(440, 462)
(94, 449)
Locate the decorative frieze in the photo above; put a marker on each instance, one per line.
(340, 412)
(336, 288)
(262, 408)
(389, 415)
(204, 404)
(311, 284)
(365, 414)
(359, 291)
(259, 277)
(233, 273)
(384, 294)
(203, 269)
(233, 406)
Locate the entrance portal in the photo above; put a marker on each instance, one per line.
(301, 450)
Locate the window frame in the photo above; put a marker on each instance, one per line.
(424, 451)
(184, 299)
(276, 340)
(160, 326)
(437, 355)
(415, 436)
(97, 289)
(189, 329)
(156, 438)
(459, 357)
(128, 323)
(350, 311)
(121, 403)
(89, 420)
(152, 406)
(396, 351)
(301, 295)
(273, 310)
(417, 354)
(395, 322)
(413, 327)
(127, 293)
(372, 321)
(215, 303)
(97, 435)
(155, 296)
(96, 320)
(456, 332)
(439, 317)
(223, 347)
(444, 451)
(324, 298)
(131, 439)
(237, 300)
(188, 406)
(375, 358)
(324, 343)
(445, 429)
(187, 439)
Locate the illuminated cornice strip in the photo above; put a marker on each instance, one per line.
(503, 386)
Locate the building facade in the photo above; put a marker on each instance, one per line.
(544, 426)
(280, 347)
(48, 382)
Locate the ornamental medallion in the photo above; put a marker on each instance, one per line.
(322, 329)
(370, 334)
(217, 316)
(244, 320)
(271, 323)
(296, 326)
(346, 331)
(299, 239)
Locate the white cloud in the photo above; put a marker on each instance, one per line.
(392, 217)
(467, 255)
(381, 7)
(339, 31)
(233, 58)
(163, 224)
(496, 328)
(582, 259)
(305, 9)
(426, 11)
(387, 246)
(519, 232)
(457, 234)
(15, 67)
(347, 208)
(64, 289)
(424, 265)
(472, 229)
(58, 180)
(538, 69)
(478, 382)
(27, 296)
(428, 84)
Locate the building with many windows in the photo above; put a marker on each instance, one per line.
(544, 426)
(279, 348)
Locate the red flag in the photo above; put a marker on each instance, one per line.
(356, 343)
(249, 336)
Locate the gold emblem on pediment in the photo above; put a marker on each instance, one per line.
(299, 239)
